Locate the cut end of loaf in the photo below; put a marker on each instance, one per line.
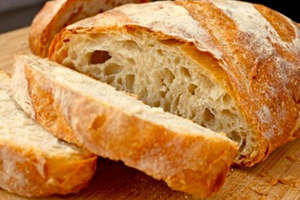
(134, 61)
(248, 52)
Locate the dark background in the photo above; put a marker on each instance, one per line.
(286, 7)
(15, 14)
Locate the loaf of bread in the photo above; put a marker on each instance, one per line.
(32, 161)
(230, 66)
(57, 14)
(115, 125)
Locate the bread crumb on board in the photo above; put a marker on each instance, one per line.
(273, 181)
(263, 198)
(290, 180)
(292, 158)
(287, 180)
(230, 171)
(258, 190)
(263, 175)
(270, 179)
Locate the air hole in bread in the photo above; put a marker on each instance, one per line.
(98, 122)
(130, 30)
(174, 106)
(131, 45)
(110, 80)
(167, 106)
(134, 31)
(192, 88)
(168, 76)
(170, 42)
(226, 99)
(120, 81)
(185, 72)
(162, 94)
(130, 61)
(176, 61)
(192, 115)
(235, 136)
(99, 57)
(156, 104)
(228, 114)
(142, 94)
(112, 68)
(238, 137)
(130, 81)
(208, 116)
(70, 64)
(95, 70)
(160, 53)
(242, 145)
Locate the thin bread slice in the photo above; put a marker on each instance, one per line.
(112, 124)
(57, 14)
(32, 161)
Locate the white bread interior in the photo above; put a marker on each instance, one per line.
(156, 72)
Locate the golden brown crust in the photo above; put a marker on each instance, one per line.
(46, 114)
(33, 174)
(256, 48)
(57, 14)
(280, 23)
(191, 163)
(258, 77)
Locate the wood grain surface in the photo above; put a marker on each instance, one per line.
(278, 178)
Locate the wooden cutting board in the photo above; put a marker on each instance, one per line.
(277, 178)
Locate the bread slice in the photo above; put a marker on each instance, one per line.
(112, 124)
(56, 14)
(32, 161)
(230, 66)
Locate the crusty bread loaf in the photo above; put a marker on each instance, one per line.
(228, 65)
(112, 124)
(32, 161)
(57, 14)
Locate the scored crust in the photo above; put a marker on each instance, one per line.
(32, 162)
(57, 14)
(187, 157)
(255, 54)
